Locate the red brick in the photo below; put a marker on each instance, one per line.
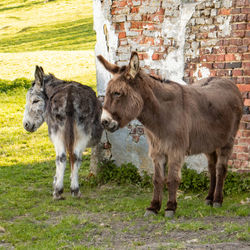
(220, 58)
(247, 79)
(218, 65)
(246, 41)
(244, 141)
(240, 80)
(229, 57)
(135, 10)
(236, 11)
(246, 65)
(232, 49)
(225, 11)
(247, 102)
(243, 156)
(223, 72)
(245, 10)
(147, 40)
(240, 3)
(237, 72)
(241, 26)
(122, 35)
(207, 65)
(240, 148)
(143, 56)
(242, 49)
(155, 56)
(239, 18)
(246, 72)
(239, 134)
(243, 125)
(160, 11)
(238, 33)
(136, 25)
(213, 72)
(220, 50)
(236, 41)
(211, 58)
(122, 3)
(246, 133)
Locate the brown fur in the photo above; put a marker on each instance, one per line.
(179, 120)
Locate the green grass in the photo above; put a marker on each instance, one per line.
(57, 35)
(56, 25)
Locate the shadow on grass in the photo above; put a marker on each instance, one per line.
(21, 6)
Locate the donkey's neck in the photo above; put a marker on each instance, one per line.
(158, 98)
(52, 85)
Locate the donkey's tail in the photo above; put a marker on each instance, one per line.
(69, 129)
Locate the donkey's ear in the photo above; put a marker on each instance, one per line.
(39, 73)
(112, 68)
(134, 64)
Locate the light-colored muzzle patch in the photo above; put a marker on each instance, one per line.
(108, 122)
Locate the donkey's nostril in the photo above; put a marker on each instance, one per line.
(105, 123)
(26, 125)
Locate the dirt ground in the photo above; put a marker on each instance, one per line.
(112, 232)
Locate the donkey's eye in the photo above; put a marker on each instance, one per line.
(117, 94)
(35, 101)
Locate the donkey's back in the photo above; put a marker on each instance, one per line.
(74, 108)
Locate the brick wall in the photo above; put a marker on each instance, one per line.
(185, 40)
(217, 44)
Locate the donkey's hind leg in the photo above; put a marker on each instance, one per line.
(223, 155)
(76, 161)
(60, 165)
(212, 159)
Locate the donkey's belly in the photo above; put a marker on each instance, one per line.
(208, 142)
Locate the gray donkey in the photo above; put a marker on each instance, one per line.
(72, 112)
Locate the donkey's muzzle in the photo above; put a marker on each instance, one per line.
(108, 122)
(29, 127)
(110, 125)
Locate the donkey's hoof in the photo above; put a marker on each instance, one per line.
(217, 204)
(58, 197)
(76, 193)
(169, 213)
(57, 194)
(209, 202)
(149, 213)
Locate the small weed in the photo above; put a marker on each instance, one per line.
(242, 232)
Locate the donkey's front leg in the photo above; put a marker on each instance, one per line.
(173, 182)
(159, 182)
(60, 166)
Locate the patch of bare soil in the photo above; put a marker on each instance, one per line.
(116, 231)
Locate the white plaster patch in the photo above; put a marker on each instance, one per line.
(173, 66)
(106, 45)
(201, 72)
(225, 27)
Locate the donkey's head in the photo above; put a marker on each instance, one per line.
(123, 101)
(35, 103)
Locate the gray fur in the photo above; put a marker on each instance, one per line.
(72, 112)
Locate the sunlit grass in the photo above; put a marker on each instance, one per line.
(68, 65)
(54, 25)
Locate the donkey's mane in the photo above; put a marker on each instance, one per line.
(159, 79)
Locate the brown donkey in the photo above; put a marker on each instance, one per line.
(179, 120)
